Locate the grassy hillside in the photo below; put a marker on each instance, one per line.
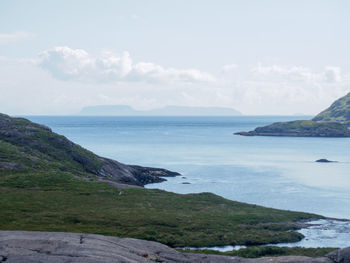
(61, 201)
(339, 111)
(268, 251)
(28, 145)
(47, 184)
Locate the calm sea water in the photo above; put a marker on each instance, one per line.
(277, 172)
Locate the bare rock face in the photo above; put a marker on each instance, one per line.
(50, 247)
(132, 174)
(45, 247)
(340, 256)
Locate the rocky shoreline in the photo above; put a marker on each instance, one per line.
(132, 174)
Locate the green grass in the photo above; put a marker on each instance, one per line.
(308, 124)
(268, 251)
(58, 201)
(35, 146)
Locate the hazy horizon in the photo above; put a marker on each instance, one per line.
(265, 57)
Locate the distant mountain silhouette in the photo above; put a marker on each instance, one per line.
(124, 110)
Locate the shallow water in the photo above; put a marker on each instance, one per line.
(322, 233)
(277, 172)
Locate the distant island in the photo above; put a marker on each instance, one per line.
(125, 110)
(332, 122)
(302, 128)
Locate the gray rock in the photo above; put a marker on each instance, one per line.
(340, 256)
(28, 247)
(51, 247)
(324, 161)
(132, 174)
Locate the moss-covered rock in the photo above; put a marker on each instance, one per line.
(339, 111)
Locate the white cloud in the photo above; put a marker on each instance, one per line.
(156, 73)
(279, 89)
(229, 68)
(14, 37)
(134, 16)
(332, 74)
(76, 64)
(283, 74)
(278, 73)
(270, 89)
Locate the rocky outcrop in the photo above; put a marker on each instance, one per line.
(49, 247)
(38, 147)
(132, 174)
(301, 128)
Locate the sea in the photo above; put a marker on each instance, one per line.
(278, 172)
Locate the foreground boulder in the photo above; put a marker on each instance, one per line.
(47, 247)
(340, 256)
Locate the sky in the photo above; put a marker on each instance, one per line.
(261, 57)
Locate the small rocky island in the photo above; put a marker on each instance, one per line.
(332, 122)
(324, 161)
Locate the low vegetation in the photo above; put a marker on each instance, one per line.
(339, 111)
(58, 201)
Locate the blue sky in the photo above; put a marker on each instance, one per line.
(259, 57)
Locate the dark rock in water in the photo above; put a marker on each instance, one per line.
(34, 247)
(301, 128)
(324, 161)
